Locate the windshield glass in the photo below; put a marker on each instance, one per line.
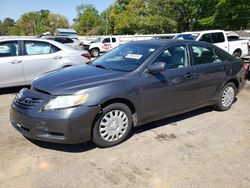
(97, 40)
(186, 36)
(126, 57)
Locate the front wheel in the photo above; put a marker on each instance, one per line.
(95, 52)
(112, 126)
(237, 54)
(226, 97)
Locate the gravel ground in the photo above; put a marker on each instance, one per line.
(203, 148)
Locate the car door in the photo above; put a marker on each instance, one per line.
(40, 57)
(170, 91)
(211, 70)
(115, 43)
(218, 39)
(11, 64)
(106, 45)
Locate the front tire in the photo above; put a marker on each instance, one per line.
(112, 126)
(226, 97)
(237, 54)
(95, 52)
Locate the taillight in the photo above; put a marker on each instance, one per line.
(87, 55)
(246, 66)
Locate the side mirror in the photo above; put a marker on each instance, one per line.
(157, 67)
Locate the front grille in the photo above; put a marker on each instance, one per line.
(27, 103)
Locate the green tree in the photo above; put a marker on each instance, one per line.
(88, 20)
(142, 17)
(232, 15)
(211, 14)
(36, 23)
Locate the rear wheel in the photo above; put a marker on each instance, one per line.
(95, 52)
(226, 97)
(112, 126)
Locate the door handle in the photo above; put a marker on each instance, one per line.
(57, 57)
(15, 61)
(188, 75)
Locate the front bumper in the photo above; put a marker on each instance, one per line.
(68, 126)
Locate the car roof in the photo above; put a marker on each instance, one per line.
(201, 32)
(57, 44)
(170, 42)
(52, 36)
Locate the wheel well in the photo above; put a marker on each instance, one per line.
(236, 83)
(120, 100)
(95, 49)
(66, 66)
(238, 51)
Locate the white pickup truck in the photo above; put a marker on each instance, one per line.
(237, 48)
(101, 45)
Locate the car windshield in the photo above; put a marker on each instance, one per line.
(97, 40)
(186, 36)
(126, 57)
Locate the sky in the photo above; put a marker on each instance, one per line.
(15, 8)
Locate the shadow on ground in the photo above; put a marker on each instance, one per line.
(71, 148)
(11, 90)
(77, 148)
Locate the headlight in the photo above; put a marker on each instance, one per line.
(65, 102)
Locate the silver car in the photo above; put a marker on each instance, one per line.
(22, 60)
(66, 40)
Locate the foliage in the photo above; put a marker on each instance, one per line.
(88, 20)
(138, 17)
(33, 23)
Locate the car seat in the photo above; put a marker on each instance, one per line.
(13, 50)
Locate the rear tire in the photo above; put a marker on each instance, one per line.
(226, 97)
(112, 126)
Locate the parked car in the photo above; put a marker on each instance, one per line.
(22, 60)
(73, 42)
(237, 47)
(101, 45)
(136, 83)
(163, 37)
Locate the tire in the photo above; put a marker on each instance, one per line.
(112, 126)
(237, 54)
(226, 97)
(95, 52)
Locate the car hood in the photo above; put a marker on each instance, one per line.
(67, 81)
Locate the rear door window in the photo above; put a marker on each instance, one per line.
(205, 55)
(39, 48)
(202, 55)
(61, 40)
(206, 38)
(218, 37)
(113, 39)
(9, 49)
(68, 40)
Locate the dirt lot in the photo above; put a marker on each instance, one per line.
(203, 148)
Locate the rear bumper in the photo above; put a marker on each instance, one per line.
(68, 126)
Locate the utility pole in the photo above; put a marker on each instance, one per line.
(106, 23)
